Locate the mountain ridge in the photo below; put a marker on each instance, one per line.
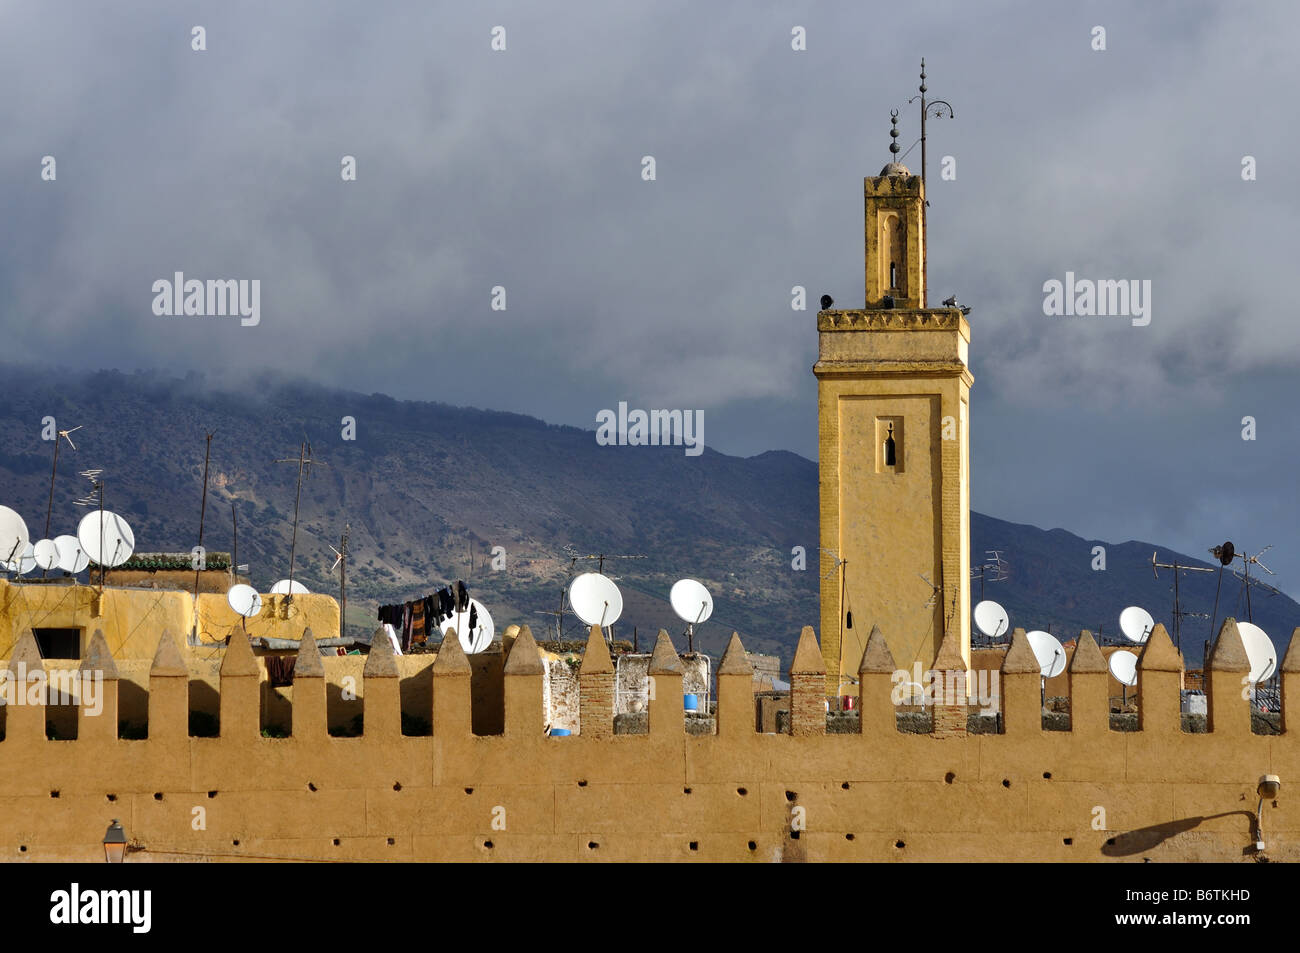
(432, 489)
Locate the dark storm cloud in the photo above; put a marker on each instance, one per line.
(522, 169)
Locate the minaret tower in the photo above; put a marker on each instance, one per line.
(893, 391)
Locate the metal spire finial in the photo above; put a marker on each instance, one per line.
(893, 132)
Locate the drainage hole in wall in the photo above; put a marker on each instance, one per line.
(469, 790)
(111, 797)
(235, 843)
(397, 786)
(899, 844)
(1110, 842)
(157, 796)
(845, 785)
(794, 835)
(582, 784)
(54, 794)
(1047, 775)
(22, 849)
(488, 844)
(1068, 841)
(790, 795)
(753, 846)
(695, 845)
(212, 794)
(949, 778)
(742, 791)
(391, 841)
(592, 845)
(311, 787)
(848, 837)
(1006, 783)
(336, 842)
(686, 790)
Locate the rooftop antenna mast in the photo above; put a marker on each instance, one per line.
(305, 462)
(49, 510)
(203, 508)
(341, 563)
(1178, 612)
(929, 107)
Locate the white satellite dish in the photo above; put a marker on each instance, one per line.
(596, 599)
(106, 538)
(46, 552)
(991, 619)
(284, 586)
(244, 599)
(13, 534)
(1136, 624)
(72, 558)
(1123, 665)
(1260, 651)
(471, 640)
(24, 562)
(691, 601)
(1048, 651)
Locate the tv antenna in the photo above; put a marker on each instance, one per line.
(574, 556)
(1225, 554)
(1178, 612)
(305, 462)
(96, 489)
(995, 569)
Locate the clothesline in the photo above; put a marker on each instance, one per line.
(416, 620)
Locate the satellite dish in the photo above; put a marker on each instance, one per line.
(284, 586)
(471, 640)
(691, 601)
(1136, 624)
(596, 599)
(991, 619)
(1260, 651)
(13, 534)
(245, 600)
(72, 558)
(1048, 651)
(1123, 665)
(46, 552)
(106, 538)
(24, 562)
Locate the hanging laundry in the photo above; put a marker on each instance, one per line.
(462, 596)
(279, 670)
(473, 617)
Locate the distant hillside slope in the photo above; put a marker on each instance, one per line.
(430, 490)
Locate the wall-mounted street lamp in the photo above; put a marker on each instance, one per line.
(1269, 786)
(114, 843)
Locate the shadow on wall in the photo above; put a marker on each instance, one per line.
(1146, 838)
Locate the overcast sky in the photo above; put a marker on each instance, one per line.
(522, 169)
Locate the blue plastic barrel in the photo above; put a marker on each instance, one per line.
(691, 702)
(560, 732)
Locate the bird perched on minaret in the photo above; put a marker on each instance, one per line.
(951, 302)
(827, 301)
